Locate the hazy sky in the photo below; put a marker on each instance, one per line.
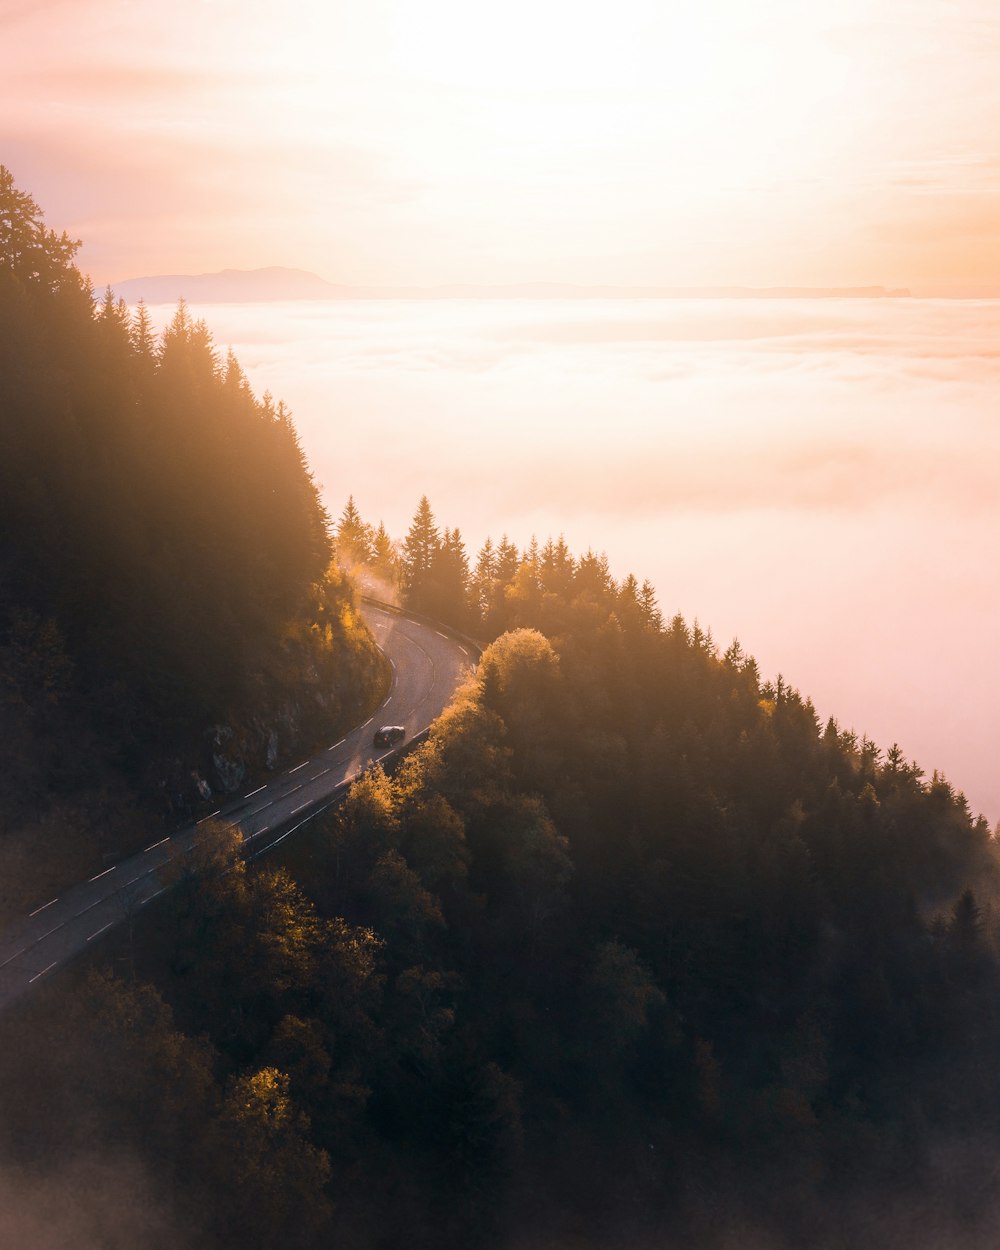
(424, 141)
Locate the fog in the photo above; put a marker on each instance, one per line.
(101, 1202)
(817, 478)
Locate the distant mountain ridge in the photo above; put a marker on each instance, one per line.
(278, 283)
(227, 286)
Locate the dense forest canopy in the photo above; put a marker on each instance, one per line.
(633, 950)
(165, 560)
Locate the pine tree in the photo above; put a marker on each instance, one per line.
(353, 536)
(966, 924)
(650, 610)
(483, 584)
(557, 568)
(507, 560)
(450, 580)
(420, 547)
(33, 257)
(385, 560)
(142, 333)
(593, 577)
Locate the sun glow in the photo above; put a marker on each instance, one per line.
(695, 142)
(690, 82)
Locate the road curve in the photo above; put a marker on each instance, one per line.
(427, 665)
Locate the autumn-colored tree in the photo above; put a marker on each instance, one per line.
(269, 1180)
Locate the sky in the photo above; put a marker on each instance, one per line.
(644, 142)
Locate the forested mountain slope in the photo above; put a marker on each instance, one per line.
(168, 612)
(631, 952)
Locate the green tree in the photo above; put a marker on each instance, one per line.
(353, 536)
(419, 551)
(449, 580)
(269, 1180)
(621, 995)
(142, 333)
(482, 590)
(32, 256)
(539, 869)
(966, 925)
(404, 910)
(650, 610)
(385, 560)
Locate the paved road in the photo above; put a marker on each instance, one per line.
(427, 665)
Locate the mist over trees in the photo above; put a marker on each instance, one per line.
(503, 588)
(633, 950)
(166, 587)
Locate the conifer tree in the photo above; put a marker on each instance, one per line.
(142, 334)
(651, 613)
(450, 579)
(507, 560)
(353, 536)
(966, 924)
(384, 558)
(482, 588)
(32, 256)
(557, 567)
(420, 547)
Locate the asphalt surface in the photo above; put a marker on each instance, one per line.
(427, 665)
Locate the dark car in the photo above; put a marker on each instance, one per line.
(387, 735)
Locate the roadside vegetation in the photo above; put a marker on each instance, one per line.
(171, 617)
(633, 951)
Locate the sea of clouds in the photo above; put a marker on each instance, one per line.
(818, 478)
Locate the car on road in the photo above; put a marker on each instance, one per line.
(389, 735)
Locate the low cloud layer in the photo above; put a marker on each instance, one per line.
(820, 478)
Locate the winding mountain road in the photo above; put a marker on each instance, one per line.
(427, 666)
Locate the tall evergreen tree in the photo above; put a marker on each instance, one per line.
(450, 578)
(420, 547)
(385, 560)
(353, 536)
(482, 587)
(651, 613)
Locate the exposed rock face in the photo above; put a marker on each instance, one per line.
(228, 762)
(282, 727)
(238, 751)
(229, 773)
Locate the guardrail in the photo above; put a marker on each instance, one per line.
(336, 797)
(252, 849)
(392, 758)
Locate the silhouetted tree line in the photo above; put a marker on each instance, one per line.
(165, 561)
(543, 586)
(632, 951)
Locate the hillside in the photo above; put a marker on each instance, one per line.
(633, 951)
(170, 620)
